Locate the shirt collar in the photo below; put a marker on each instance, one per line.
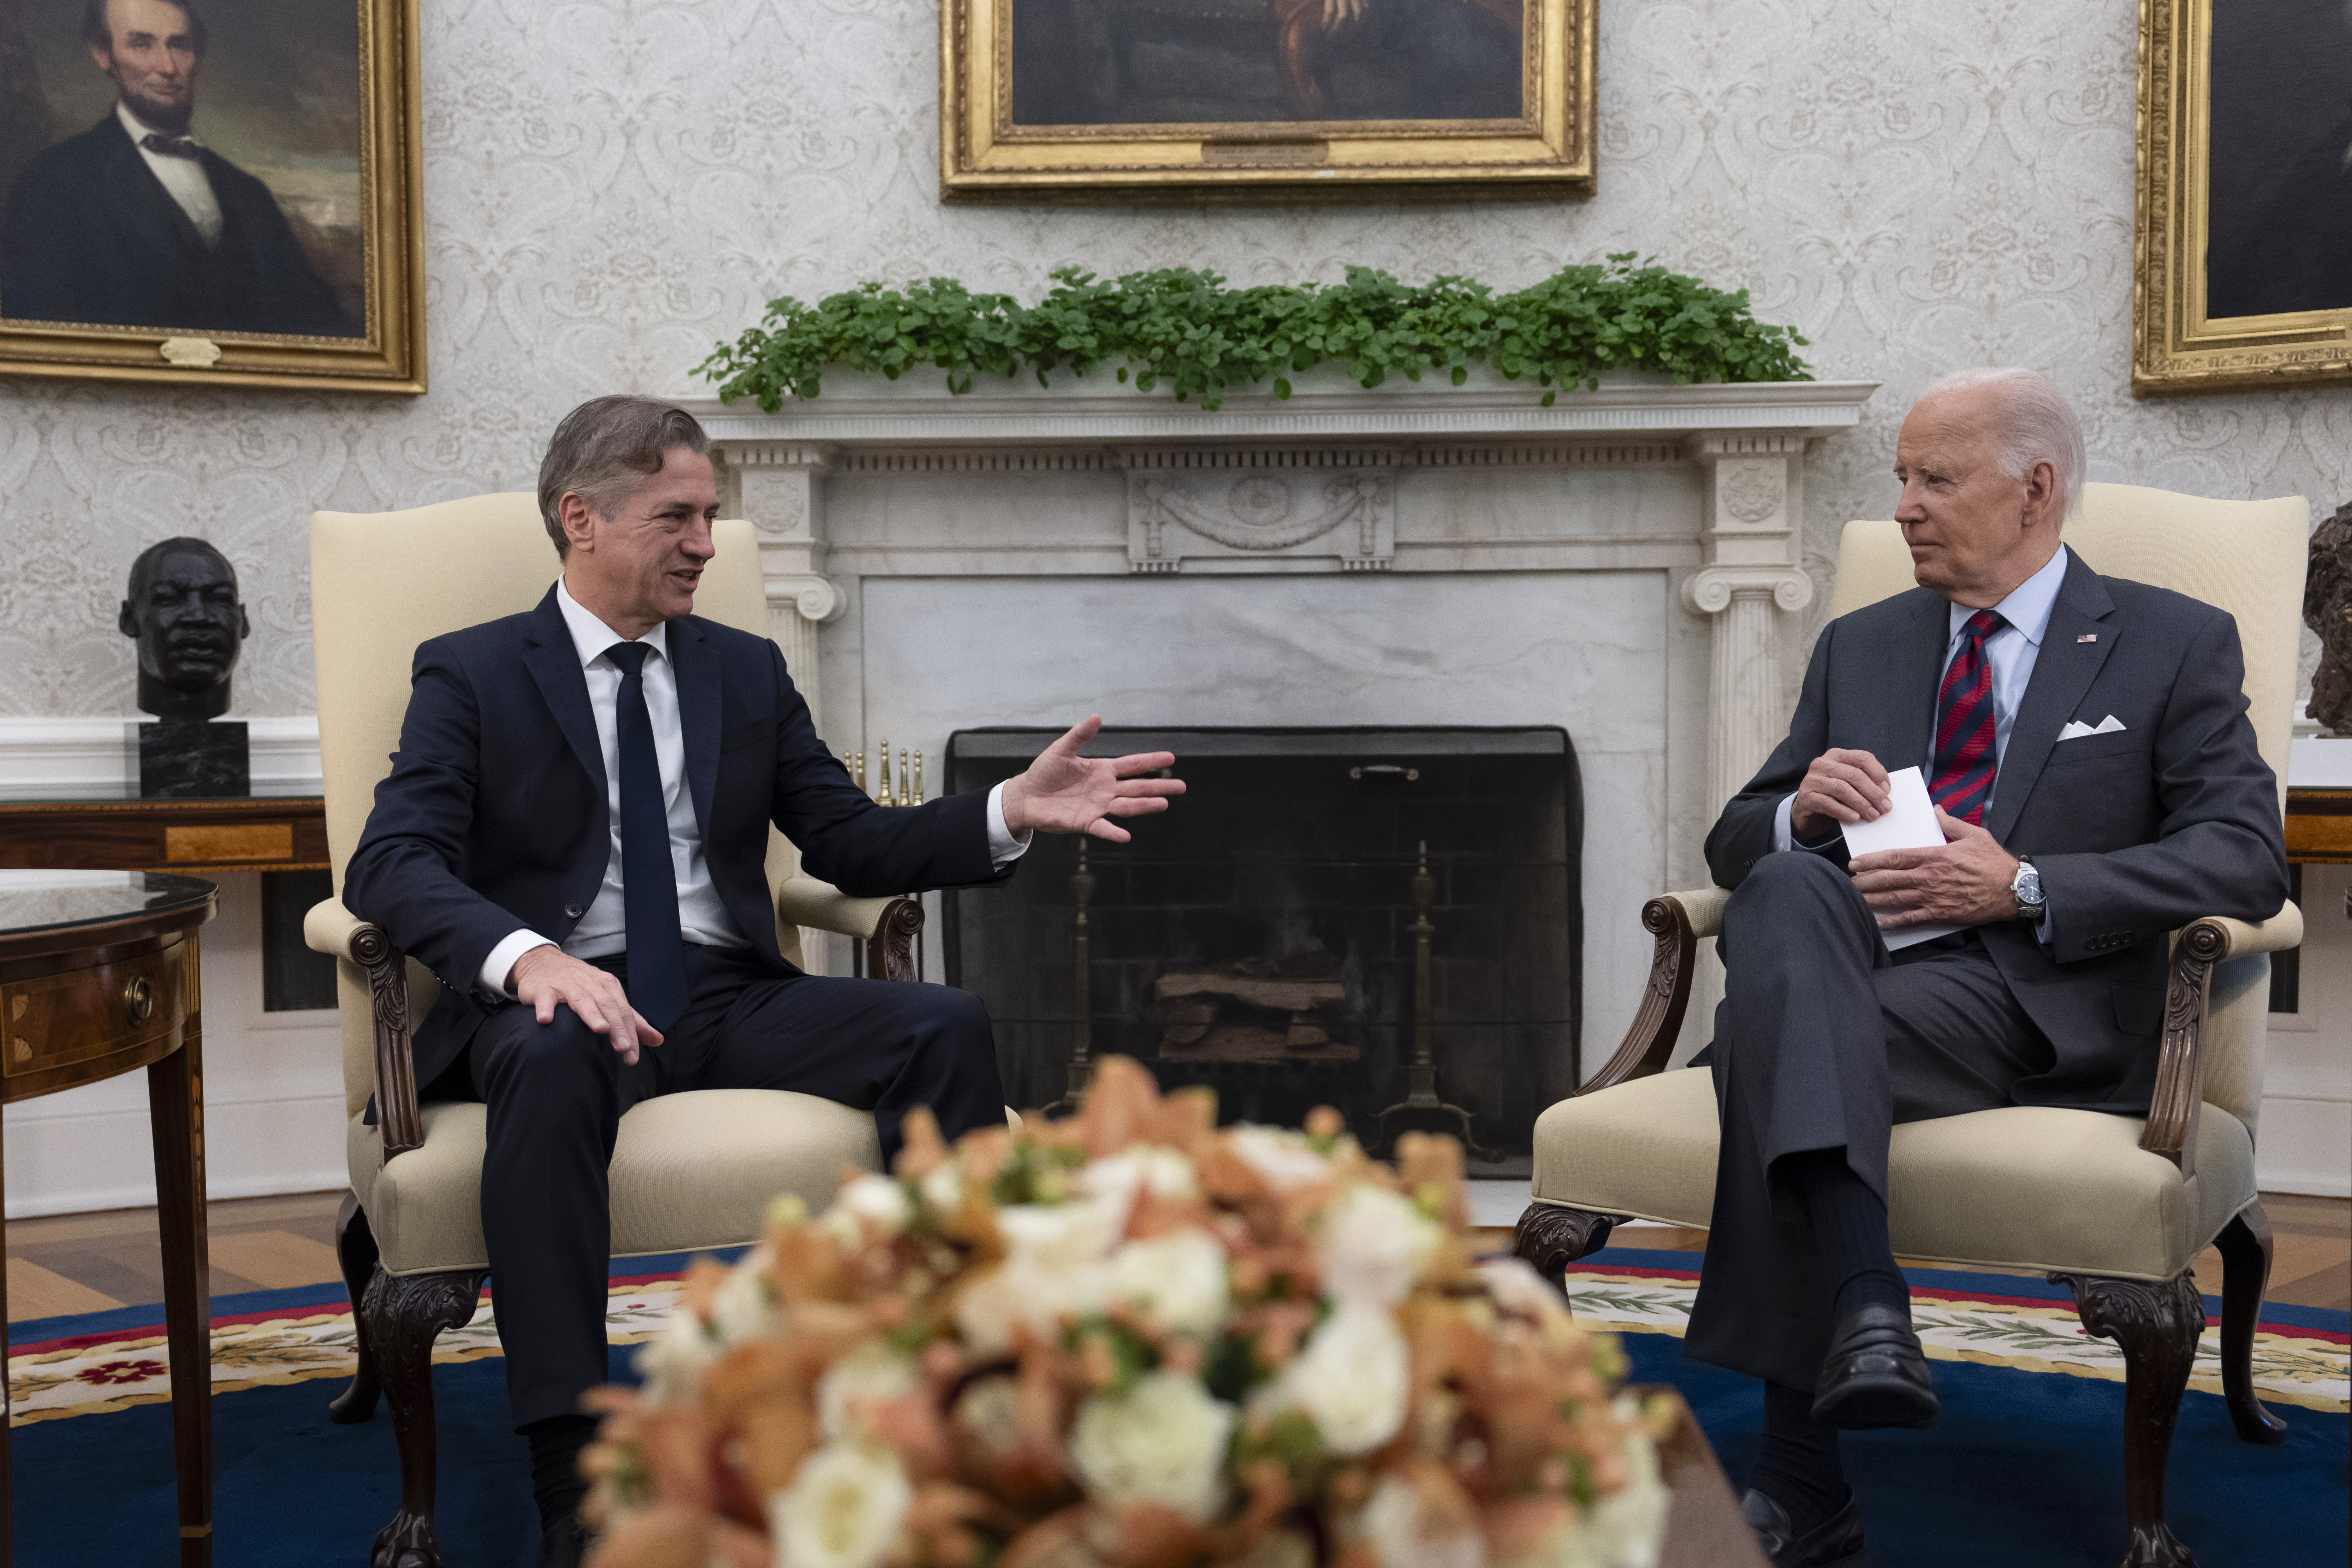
(138, 129)
(591, 637)
(2028, 606)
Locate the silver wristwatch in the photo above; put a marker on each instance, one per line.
(2026, 887)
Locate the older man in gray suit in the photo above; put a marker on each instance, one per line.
(2085, 743)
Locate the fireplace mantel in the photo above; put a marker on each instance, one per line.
(1734, 551)
(861, 411)
(1624, 564)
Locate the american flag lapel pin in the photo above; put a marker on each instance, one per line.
(2088, 637)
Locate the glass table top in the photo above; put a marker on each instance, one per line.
(45, 901)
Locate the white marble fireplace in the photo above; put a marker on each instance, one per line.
(1622, 565)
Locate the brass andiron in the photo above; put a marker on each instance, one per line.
(917, 798)
(906, 796)
(855, 763)
(1082, 1066)
(885, 797)
(1420, 1076)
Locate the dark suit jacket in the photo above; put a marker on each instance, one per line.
(91, 235)
(2135, 833)
(494, 816)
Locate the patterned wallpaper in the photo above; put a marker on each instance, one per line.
(612, 184)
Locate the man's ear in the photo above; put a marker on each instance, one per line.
(244, 624)
(578, 519)
(104, 54)
(127, 623)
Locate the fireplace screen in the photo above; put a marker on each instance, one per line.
(1385, 921)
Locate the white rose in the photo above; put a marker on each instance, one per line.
(942, 1186)
(1024, 1292)
(745, 1307)
(1164, 1443)
(1398, 1523)
(843, 1510)
(1083, 1230)
(866, 1204)
(1283, 1160)
(1179, 1278)
(1372, 1244)
(873, 1370)
(671, 1362)
(1629, 1525)
(1516, 1289)
(1351, 1378)
(1146, 1167)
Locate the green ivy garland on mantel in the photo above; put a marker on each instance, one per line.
(1188, 329)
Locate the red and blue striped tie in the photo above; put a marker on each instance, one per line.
(1966, 758)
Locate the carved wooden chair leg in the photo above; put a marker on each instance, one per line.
(1550, 1237)
(2156, 1327)
(2245, 1243)
(355, 1250)
(403, 1314)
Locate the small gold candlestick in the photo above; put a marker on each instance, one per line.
(883, 796)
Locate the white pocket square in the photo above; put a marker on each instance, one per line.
(2075, 729)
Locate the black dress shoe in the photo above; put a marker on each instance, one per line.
(1875, 1375)
(563, 1544)
(1835, 1543)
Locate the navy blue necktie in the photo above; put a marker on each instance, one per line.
(648, 879)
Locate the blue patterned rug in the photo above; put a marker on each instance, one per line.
(2023, 1470)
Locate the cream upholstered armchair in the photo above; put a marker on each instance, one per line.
(2116, 1207)
(689, 1171)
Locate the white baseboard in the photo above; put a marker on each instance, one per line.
(60, 759)
(84, 1160)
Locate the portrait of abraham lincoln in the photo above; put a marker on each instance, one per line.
(188, 167)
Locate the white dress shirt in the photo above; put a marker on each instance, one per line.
(184, 178)
(2010, 651)
(702, 914)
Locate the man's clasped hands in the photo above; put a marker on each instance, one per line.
(1966, 880)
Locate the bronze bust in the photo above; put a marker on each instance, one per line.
(185, 611)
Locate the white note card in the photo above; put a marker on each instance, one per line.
(1908, 823)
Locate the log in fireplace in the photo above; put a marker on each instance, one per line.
(1380, 920)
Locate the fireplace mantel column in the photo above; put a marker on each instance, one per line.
(783, 493)
(1748, 579)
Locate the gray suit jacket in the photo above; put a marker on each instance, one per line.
(2135, 833)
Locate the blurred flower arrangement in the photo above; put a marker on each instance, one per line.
(1128, 1340)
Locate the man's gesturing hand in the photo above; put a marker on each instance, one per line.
(1965, 881)
(1841, 786)
(1066, 792)
(547, 975)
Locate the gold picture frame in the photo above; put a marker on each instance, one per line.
(1337, 118)
(2241, 243)
(320, 284)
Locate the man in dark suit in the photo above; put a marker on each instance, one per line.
(571, 837)
(2085, 743)
(135, 223)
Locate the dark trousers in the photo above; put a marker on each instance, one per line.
(556, 1092)
(1824, 1040)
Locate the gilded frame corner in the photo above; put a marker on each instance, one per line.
(985, 157)
(2177, 346)
(389, 357)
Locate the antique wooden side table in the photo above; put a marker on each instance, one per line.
(98, 974)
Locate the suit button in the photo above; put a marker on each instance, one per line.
(573, 910)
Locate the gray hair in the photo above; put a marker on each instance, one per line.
(2034, 425)
(605, 449)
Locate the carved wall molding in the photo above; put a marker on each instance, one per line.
(1662, 454)
(1710, 589)
(1348, 519)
